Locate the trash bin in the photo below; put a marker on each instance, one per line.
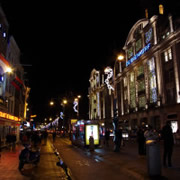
(153, 158)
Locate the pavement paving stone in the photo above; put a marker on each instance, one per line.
(46, 169)
(135, 165)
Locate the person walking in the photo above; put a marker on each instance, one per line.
(167, 136)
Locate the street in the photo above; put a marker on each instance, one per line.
(103, 163)
(82, 164)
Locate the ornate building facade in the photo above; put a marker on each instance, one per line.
(147, 89)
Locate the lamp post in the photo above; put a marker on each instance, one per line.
(76, 105)
(120, 58)
(64, 102)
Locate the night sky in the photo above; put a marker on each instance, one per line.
(64, 41)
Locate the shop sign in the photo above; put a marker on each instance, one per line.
(139, 54)
(8, 116)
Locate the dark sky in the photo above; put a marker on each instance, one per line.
(64, 41)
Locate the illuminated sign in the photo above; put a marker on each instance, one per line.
(9, 116)
(174, 126)
(139, 54)
(92, 130)
(33, 116)
(73, 121)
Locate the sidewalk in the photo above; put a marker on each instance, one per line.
(46, 169)
(135, 165)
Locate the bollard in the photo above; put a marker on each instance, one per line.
(153, 158)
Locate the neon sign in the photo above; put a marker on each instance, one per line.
(9, 116)
(139, 54)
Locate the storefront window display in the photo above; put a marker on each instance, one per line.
(132, 90)
(152, 81)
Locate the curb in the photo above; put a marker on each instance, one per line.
(62, 164)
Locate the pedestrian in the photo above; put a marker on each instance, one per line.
(8, 140)
(13, 142)
(167, 136)
(107, 135)
(118, 139)
(45, 137)
(54, 136)
(141, 141)
(24, 139)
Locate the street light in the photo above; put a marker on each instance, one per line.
(120, 58)
(51, 103)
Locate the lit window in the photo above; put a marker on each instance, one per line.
(4, 34)
(125, 81)
(168, 55)
(161, 9)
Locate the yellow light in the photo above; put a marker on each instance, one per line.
(51, 103)
(64, 101)
(120, 57)
(9, 69)
(32, 116)
(106, 70)
(76, 99)
(79, 96)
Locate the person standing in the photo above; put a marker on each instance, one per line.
(167, 136)
(107, 135)
(45, 137)
(141, 141)
(118, 139)
(54, 136)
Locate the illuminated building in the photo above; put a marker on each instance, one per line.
(12, 101)
(148, 89)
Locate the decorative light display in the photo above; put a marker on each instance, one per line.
(109, 73)
(75, 105)
(148, 35)
(61, 115)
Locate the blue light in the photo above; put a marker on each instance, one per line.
(139, 54)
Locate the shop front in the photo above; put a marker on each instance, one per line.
(9, 124)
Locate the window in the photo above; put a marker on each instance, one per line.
(161, 9)
(148, 36)
(125, 81)
(168, 55)
(138, 45)
(130, 52)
